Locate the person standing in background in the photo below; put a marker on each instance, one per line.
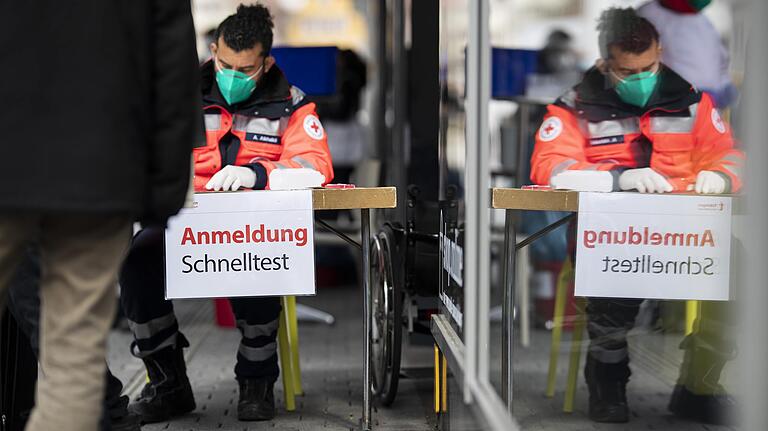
(691, 46)
(347, 138)
(101, 116)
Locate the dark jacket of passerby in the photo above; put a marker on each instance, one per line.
(87, 122)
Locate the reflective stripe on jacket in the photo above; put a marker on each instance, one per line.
(678, 136)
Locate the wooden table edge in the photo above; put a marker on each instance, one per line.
(357, 198)
(539, 200)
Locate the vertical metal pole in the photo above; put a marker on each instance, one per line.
(471, 201)
(522, 149)
(483, 184)
(753, 346)
(399, 104)
(477, 221)
(378, 75)
(365, 222)
(508, 309)
(523, 297)
(510, 261)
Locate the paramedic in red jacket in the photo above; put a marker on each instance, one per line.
(255, 122)
(639, 120)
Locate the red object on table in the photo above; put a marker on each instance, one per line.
(536, 187)
(225, 318)
(339, 186)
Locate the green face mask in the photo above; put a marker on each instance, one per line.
(699, 4)
(637, 89)
(235, 86)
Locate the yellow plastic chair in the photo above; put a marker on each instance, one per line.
(692, 310)
(288, 350)
(564, 279)
(440, 382)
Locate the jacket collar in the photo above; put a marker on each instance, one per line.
(271, 87)
(596, 97)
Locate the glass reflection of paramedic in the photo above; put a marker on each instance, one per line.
(636, 118)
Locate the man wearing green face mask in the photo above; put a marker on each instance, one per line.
(635, 118)
(255, 122)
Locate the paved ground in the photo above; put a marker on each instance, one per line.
(331, 360)
(655, 363)
(331, 369)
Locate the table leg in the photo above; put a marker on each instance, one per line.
(365, 232)
(508, 308)
(523, 287)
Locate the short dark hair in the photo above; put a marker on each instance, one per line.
(625, 30)
(250, 25)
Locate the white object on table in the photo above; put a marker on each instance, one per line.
(583, 181)
(294, 179)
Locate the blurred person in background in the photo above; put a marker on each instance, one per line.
(100, 119)
(339, 111)
(635, 117)
(692, 47)
(558, 55)
(255, 122)
(346, 135)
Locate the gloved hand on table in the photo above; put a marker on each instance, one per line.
(708, 182)
(232, 178)
(644, 180)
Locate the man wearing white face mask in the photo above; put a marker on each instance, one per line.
(255, 122)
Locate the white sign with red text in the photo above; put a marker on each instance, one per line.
(632, 245)
(250, 243)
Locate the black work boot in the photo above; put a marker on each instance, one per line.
(257, 400)
(698, 395)
(129, 422)
(607, 391)
(714, 409)
(168, 392)
(116, 416)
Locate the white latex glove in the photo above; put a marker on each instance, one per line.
(232, 178)
(708, 182)
(644, 180)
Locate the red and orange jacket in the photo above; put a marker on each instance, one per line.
(275, 128)
(678, 134)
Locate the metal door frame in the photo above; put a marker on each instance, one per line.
(470, 360)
